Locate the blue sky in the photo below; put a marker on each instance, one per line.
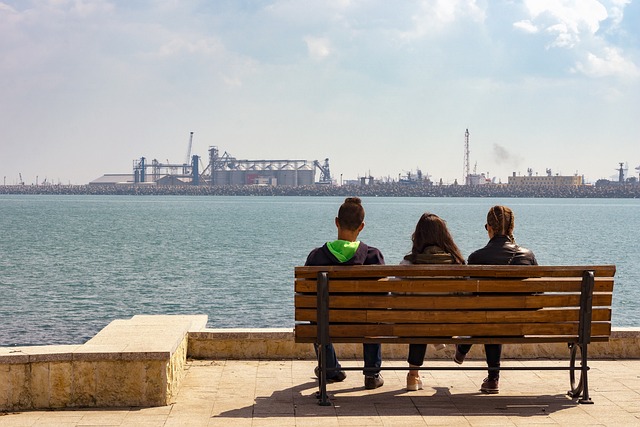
(378, 87)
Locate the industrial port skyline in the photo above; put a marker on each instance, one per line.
(341, 178)
(314, 171)
(380, 89)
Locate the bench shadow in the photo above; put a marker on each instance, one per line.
(300, 401)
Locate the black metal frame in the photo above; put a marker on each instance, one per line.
(323, 334)
(581, 389)
(584, 338)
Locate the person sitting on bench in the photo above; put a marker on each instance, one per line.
(347, 250)
(501, 250)
(432, 244)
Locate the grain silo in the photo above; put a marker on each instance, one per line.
(226, 170)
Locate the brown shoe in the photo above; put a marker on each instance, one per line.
(459, 356)
(336, 378)
(490, 386)
(373, 381)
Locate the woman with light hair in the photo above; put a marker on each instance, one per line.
(501, 250)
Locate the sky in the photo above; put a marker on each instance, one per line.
(379, 88)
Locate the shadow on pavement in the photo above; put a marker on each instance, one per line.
(300, 401)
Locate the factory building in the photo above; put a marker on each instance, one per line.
(114, 179)
(546, 180)
(227, 170)
(222, 170)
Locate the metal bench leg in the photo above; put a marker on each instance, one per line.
(584, 378)
(586, 306)
(581, 388)
(322, 377)
(576, 389)
(323, 334)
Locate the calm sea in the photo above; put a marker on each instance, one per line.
(71, 264)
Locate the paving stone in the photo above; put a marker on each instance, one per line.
(241, 393)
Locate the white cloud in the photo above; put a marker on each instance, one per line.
(232, 82)
(567, 20)
(312, 12)
(564, 37)
(526, 26)
(435, 15)
(576, 25)
(611, 63)
(318, 47)
(6, 8)
(204, 46)
(616, 12)
(86, 8)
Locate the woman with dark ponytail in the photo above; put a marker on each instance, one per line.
(431, 244)
(501, 250)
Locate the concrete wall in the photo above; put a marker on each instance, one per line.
(140, 361)
(279, 343)
(132, 362)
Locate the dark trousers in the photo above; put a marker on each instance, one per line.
(372, 355)
(416, 354)
(493, 352)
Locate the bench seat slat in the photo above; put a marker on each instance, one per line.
(571, 284)
(532, 339)
(452, 302)
(449, 330)
(449, 270)
(449, 316)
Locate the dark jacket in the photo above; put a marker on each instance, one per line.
(365, 255)
(431, 255)
(501, 251)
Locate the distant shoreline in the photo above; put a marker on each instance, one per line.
(628, 191)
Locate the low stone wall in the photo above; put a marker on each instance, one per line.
(140, 361)
(279, 344)
(133, 362)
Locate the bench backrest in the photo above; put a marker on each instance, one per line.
(439, 303)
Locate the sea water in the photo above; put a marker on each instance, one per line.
(71, 264)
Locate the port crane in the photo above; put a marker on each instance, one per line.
(188, 159)
(325, 173)
(187, 162)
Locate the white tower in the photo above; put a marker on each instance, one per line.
(466, 170)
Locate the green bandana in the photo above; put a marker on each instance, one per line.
(342, 249)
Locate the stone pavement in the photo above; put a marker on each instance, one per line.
(280, 393)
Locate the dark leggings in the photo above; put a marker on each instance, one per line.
(493, 353)
(372, 358)
(416, 354)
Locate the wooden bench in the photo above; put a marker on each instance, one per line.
(456, 304)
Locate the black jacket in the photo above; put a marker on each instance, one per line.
(365, 255)
(500, 251)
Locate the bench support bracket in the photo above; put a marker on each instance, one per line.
(323, 334)
(586, 309)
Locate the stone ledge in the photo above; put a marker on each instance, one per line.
(40, 353)
(145, 333)
(131, 362)
(279, 344)
(243, 334)
(140, 361)
(625, 332)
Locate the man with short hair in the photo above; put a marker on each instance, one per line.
(348, 250)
